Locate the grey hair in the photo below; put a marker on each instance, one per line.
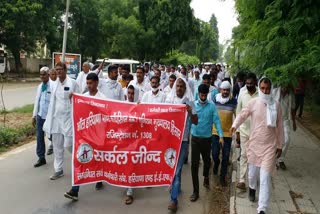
(86, 63)
(45, 69)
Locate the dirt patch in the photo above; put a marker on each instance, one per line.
(16, 120)
(310, 120)
(219, 197)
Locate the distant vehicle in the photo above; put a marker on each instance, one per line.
(208, 63)
(133, 64)
(3, 61)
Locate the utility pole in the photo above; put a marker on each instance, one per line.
(65, 32)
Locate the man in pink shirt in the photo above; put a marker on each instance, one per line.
(265, 142)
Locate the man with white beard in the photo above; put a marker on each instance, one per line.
(155, 95)
(181, 94)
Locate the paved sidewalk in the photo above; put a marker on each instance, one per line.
(296, 190)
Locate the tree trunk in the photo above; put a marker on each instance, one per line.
(17, 62)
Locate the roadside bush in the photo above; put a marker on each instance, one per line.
(9, 136)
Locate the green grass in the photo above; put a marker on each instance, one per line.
(23, 109)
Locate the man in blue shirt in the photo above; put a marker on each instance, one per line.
(201, 138)
(40, 111)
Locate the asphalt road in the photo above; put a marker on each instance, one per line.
(25, 189)
(18, 95)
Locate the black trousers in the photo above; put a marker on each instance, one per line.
(199, 146)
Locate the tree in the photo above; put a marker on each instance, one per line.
(278, 38)
(22, 24)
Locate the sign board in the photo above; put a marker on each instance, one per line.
(73, 63)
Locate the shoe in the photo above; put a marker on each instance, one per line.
(99, 186)
(71, 195)
(206, 182)
(173, 207)
(223, 181)
(261, 212)
(252, 194)
(50, 151)
(241, 186)
(282, 166)
(40, 162)
(57, 175)
(215, 169)
(194, 197)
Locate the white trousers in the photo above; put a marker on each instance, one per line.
(265, 185)
(60, 142)
(243, 159)
(286, 129)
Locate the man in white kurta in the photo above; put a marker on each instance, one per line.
(82, 76)
(265, 142)
(59, 117)
(110, 87)
(242, 136)
(286, 99)
(155, 95)
(141, 82)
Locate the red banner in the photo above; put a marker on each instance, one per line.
(126, 144)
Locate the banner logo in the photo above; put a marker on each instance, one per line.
(84, 153)
(170, 156)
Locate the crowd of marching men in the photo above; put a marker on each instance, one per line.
(218, 106)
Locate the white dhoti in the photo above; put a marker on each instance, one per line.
(59, 143)
(265, 185)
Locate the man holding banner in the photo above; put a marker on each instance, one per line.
(201, 138)
(181, 94)
(59, 117)
(92, 86)
(125, 144)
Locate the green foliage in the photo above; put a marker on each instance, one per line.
(278, 38)
(10, 136)
(24, 109)
(177, 57)
(204, 44)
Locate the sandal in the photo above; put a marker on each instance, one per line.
(194, 197)
(129, 200)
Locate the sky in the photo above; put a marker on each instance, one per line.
(223, 10)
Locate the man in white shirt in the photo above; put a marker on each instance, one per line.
(205, 71)
(184, 74)
(59, 118)
(168, 89)
(82, 76)
(81, 79)
(163, 82)
(140, 82)
(196, 79)
(155, 95)
(243, 133)
(110, 87)
(40, 111)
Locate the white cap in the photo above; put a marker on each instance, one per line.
(225, 85)
(196, 70)
(45, 69)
